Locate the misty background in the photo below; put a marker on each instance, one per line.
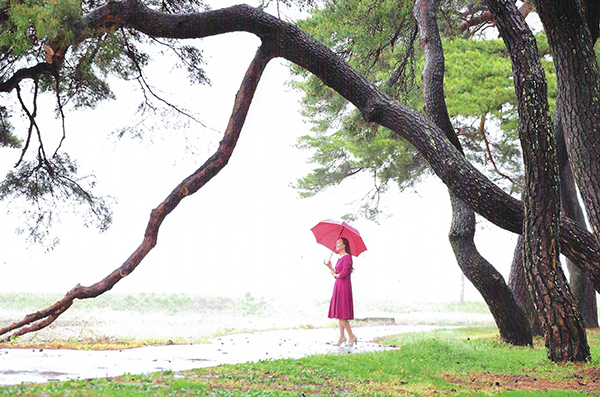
(247, 230)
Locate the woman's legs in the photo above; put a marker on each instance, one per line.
(342, 337)
(345, 325)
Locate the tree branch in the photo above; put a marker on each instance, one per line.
(188, 186)
(26, 73)
(480, 16)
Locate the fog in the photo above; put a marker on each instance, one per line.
(247, 230)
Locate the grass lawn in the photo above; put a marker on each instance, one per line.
(452, 362)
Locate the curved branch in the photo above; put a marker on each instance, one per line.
(27, 73)
(289, 42)
(190, 185)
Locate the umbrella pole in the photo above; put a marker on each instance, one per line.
(341, 231)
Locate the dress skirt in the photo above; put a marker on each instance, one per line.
(342, 306)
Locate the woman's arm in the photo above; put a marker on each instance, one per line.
(346, 269)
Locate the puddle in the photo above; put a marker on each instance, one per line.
(44, 365)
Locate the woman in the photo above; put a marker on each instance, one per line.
(341, 306)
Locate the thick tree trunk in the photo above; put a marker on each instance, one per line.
(509, 317)
(581, 286)
(518, 285)
(564, 334)
(579, 91)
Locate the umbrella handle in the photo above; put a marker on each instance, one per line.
(330, 256)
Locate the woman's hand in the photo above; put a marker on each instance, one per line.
(333, 273)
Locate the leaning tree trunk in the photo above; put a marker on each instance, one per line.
(510, 319)
(581, 285)
(564, 334)
(190, 185)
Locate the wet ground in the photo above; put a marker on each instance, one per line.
(43, 365)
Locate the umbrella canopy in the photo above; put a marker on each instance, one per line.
(328, 232)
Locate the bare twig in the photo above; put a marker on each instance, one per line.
(31, 115)
(481, 131)
(145, 86)
(489, 151)
(404, 62)
(62, 114)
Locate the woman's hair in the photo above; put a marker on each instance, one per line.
(346, 245)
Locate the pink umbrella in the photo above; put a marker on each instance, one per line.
(328, 232)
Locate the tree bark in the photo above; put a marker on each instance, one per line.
(591, 10)
(510, 319)
(581, 285)
(564, 333)
(518, 285)
(577, 76)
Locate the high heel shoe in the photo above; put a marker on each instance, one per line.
(353, 342)
(340, 342)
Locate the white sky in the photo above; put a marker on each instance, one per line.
(246, 230)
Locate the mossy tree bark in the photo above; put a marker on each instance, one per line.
(564, 333)
(572, 46)
(581, 286)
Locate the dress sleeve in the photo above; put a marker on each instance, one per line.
(346, 266)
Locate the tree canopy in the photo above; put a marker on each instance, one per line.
(381, 45)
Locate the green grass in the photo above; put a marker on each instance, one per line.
(440, 307)
(454, 362)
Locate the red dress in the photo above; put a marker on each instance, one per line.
(341, 306)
